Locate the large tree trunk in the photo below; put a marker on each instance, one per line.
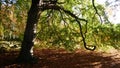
(26, 53)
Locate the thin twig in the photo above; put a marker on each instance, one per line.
(63, 18)
(93, 3)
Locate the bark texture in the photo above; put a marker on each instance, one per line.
(26, 53)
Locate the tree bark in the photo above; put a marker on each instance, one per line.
(26, 53)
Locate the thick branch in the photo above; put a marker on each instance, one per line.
(55, 7)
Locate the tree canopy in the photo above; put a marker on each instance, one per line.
(60, 28)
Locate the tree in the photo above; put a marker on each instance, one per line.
(78, 31)
(26, 53)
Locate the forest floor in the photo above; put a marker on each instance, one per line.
(60, 58)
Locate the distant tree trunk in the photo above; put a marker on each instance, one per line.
(26, 54)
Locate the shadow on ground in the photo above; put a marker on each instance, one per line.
(52, 58)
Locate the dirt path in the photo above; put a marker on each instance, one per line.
(51, 58)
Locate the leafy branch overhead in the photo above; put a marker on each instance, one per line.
(53, 5)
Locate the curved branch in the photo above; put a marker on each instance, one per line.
(85, 45)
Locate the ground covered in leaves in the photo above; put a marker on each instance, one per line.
(59, 58)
